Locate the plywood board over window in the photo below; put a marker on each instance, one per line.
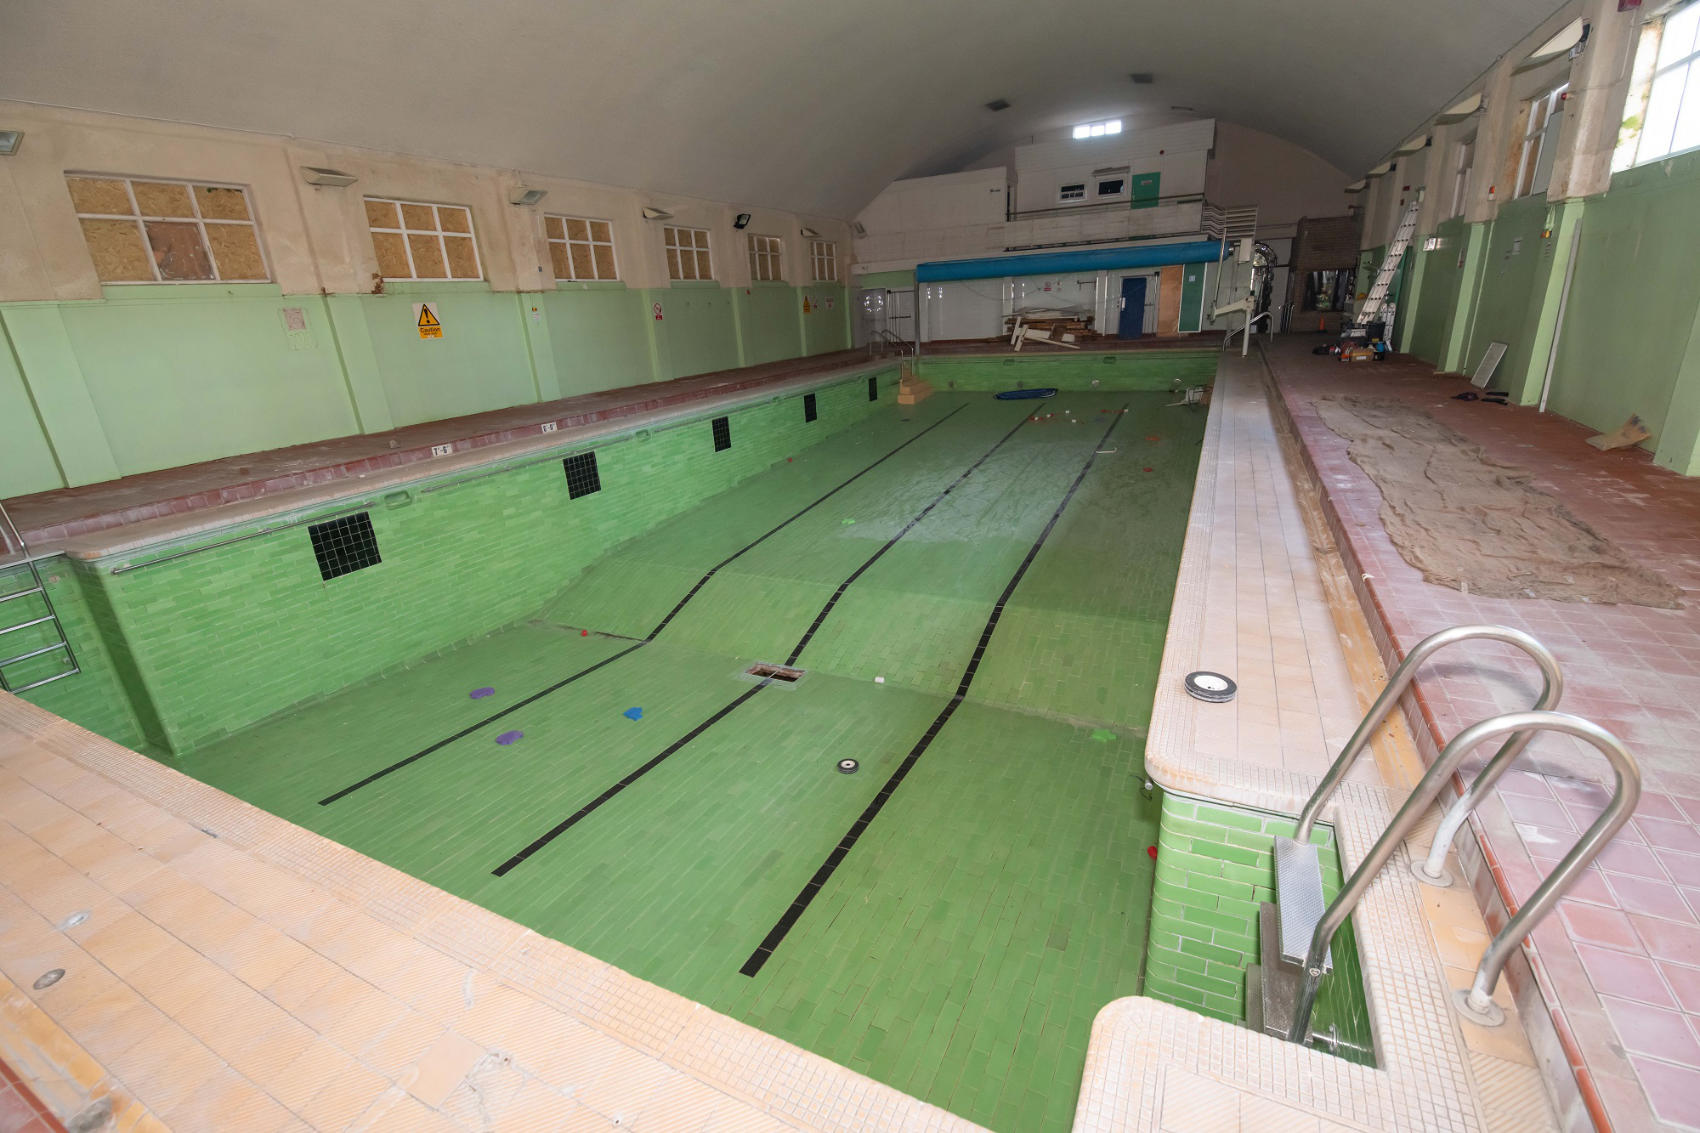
(416, 240)
(146, 230)
(581, 248)
(687, 253)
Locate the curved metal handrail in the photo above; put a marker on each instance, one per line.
(1477, 1002)
(1401, 679)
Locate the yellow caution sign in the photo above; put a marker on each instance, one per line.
(425, 318)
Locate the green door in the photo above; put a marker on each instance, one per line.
(1145, 190)
(1192, 297)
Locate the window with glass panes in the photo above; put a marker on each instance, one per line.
(687, 253)
(1662, 115)
(581, 248)
(766, 256)
(823, 258)
(415, 240)
(144, 230)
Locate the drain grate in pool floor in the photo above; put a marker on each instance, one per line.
(777, 672)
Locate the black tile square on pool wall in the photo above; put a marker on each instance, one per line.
(809, 413)
(582, 477)
(722, 434)
(874, 388)
(344, 545)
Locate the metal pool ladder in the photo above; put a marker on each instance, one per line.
(1296, 930)
(12, 540)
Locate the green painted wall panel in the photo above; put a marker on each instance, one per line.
(480, 363)
(43, 351)
(183, 374)
(28, 464)
(1442, 273)
(598, 337)
(211, 642)
(1515, 266)
(697, 333)
(1634, 296)
(826, 324)
(769, 322)
(1192, 297)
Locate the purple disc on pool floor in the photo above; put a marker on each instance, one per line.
(509, 737)
(481, 693)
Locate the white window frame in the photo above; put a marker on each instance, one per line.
(442, 248)
(1542, 109)
(200, 222)
(1067, 198)
(669, 241)
(567, 242)
(1647, 73)
(1108, 126)
(823, 261)
(1466, 161)
(767, 258)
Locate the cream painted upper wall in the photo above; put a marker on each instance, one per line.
(1282, 180)
(812, 107)
(316, 239)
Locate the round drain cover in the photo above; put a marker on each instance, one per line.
(848, 766)
(1211, 687)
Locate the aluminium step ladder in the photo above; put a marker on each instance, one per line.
(24, 608)
(1377, 299)
(1296, 930)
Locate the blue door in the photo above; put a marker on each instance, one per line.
(1132, 321)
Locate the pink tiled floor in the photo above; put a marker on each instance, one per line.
(1620, 963)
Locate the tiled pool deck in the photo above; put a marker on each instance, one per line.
(240, 972)
(1619, 963)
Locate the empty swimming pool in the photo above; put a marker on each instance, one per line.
(975, 593)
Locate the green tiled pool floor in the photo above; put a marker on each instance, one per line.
(999, 899)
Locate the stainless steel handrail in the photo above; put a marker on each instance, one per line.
(1477, 1002)
(1401, 679)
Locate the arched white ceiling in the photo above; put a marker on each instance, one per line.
(801, 104)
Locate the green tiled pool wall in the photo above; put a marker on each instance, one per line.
(189, 650)
(1118, 370)
(96, 697)
(1215, 866)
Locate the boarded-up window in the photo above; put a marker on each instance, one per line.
(766, 258)
(823, 259)
(142, 230)
(580, 248)
(415, 240)
(687, 253)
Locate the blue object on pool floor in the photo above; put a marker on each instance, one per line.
(507, 738)
(481, 693)
(633, 714)
(1024, 394)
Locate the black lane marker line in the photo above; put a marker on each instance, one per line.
(800, 904)
(703, 581)
(633, 777)
(646, 768)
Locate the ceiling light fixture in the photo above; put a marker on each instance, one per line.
(998, 104)
(1142, 77)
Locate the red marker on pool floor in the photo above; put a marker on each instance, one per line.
(1152, 850)
(586, 633)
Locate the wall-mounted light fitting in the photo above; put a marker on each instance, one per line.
(807, 231)
(651, 213)
(327, 178)
(526, 195)
(742, 220)
(10, 140)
